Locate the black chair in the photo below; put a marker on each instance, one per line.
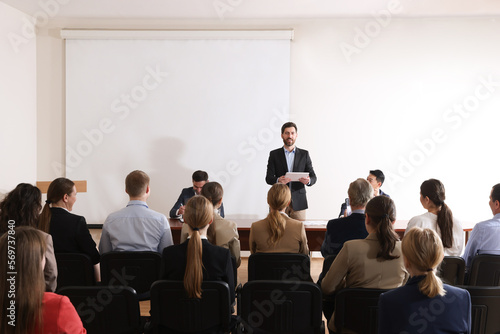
(485, 309)
(485, 270)
(356, 310)
(172, 311)
(106, 310)
(135, 269)
(275, 307)
(74, 269)
(452, 270)
(279, 266)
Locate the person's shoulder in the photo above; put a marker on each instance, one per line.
(290, 222)
(51, 298)
(174, 249)
(276, 151)
(455, 292)
(219, 221)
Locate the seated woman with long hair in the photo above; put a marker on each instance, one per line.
(22, 205)
(439, 217)
(69, 232)
(374, 262)
(197, 260)
(424, 304)
(221, 232)
(278, 233)
(35, 311)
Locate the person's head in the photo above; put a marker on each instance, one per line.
(289, 134)
(432, 196)
(199, 179)
(61, 193)
(380, 216)
(29, 282)
(495, 199)
(422, 253)
(279, 197)
(213, 192)
(360, 192)
(376, 179)
(198, 215)
(23, 205)
(137, 184)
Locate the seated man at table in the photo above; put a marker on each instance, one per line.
(136, 227)
(352, 227)
(485, 236)
(199, 179)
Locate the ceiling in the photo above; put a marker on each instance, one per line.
(253, 9)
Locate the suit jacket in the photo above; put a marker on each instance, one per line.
(341, 230)
(226, 235)
(276, 167)
(50, 270)
(70, 234)
(294, 239)
(407, 310)
(185, 195)
(217, 265)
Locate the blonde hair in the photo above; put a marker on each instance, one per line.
(199, 213)
(278, 198)
(423, 250)
(29, 282)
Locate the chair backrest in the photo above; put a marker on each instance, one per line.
(281, 307)
(279, 266)
(356, 310)
(74, 269)
(485, 270)
(106, 310)
(452, 270)
(135, 269)
(485, 309)
(172, 311)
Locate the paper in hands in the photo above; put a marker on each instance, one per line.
(295, 176)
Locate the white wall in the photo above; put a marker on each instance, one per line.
(18, 130)
(377, 107)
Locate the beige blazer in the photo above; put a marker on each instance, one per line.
(50, 270)
(226, 235)
(357, 266)
(294, 240)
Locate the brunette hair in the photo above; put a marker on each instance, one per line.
(199, 213)
(213, 192)
(22, 205)
(199, 176)
(423, 249)
(136, 183)
(434, 190)
(382, 213)
(57, 189)
(29, 281)
(278, 198)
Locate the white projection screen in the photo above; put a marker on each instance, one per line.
(170, 107)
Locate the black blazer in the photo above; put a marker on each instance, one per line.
(70, 234)
(341, 230)
(216, 261)
(185, 195)
(276, 167)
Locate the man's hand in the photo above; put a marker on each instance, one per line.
(181, 210)
(305, 180)
(284, 180)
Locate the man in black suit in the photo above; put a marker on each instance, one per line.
(290, 158)
(199, 179)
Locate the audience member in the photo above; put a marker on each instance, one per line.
(290, 158)
(221, 232)
(376, 178)
(352, 227)
(69, 232)
(278, 233)
(22, 205)
(424, 304)
(439, 218)
(196, 260)
(374, 262)
(199, 179)
(136, 227)
(485, 237)
(35, 311)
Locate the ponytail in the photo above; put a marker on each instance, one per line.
(278, 198)
(382, 213)
(431, 285)
(445, 223)
(213, 192)
(57, 189)
(45, 216)
(276, 226)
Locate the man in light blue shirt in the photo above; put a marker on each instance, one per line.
(136, 227)
(485, 237)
